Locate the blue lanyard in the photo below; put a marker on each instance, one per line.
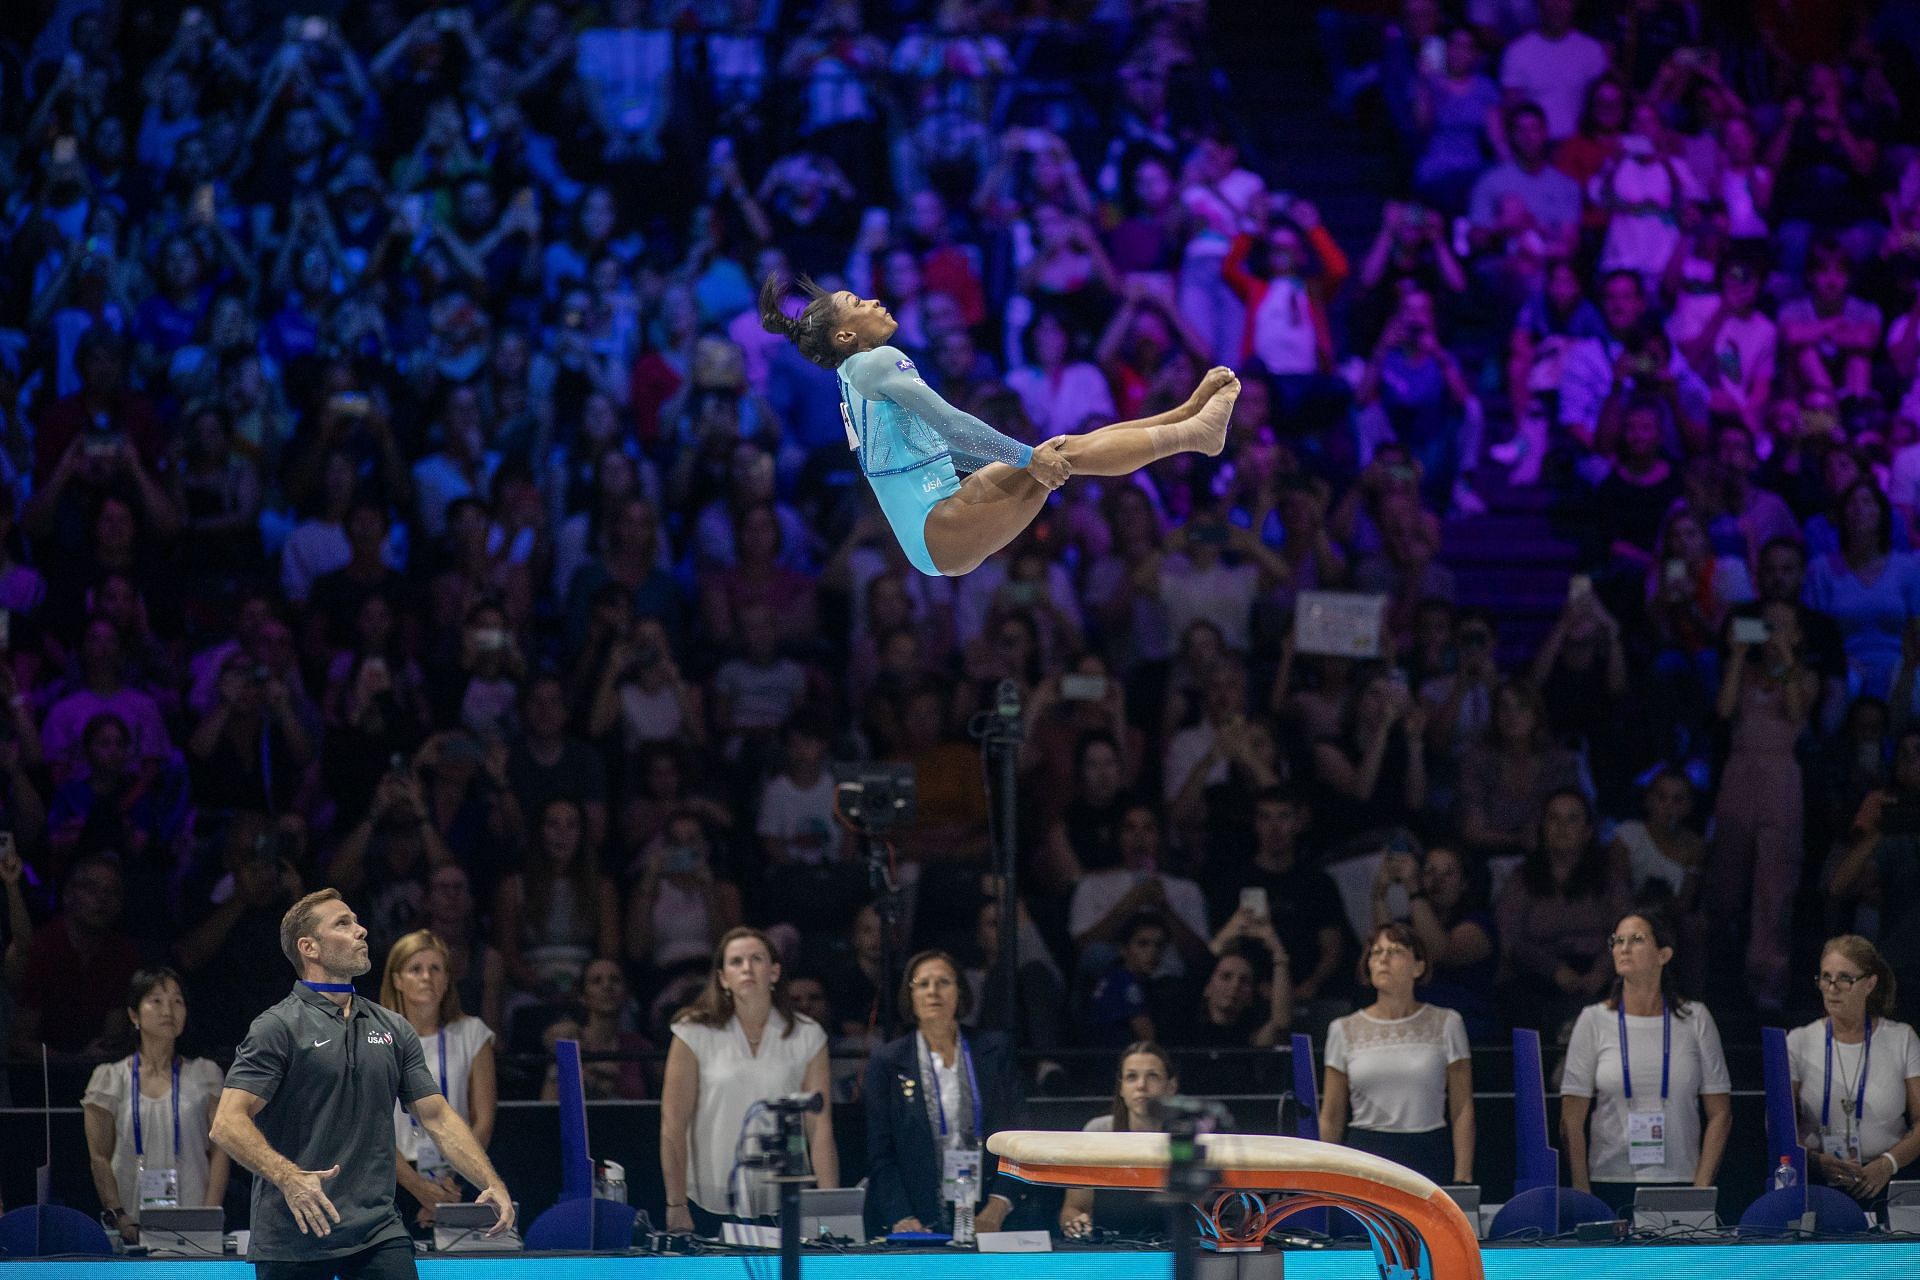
(443, 1075)
(973, 1087)
(338, 988)
(1860, 1096)
(1666, 1050)
(139, 1150)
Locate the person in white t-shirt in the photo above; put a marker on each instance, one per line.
(1196, 583)
(1220, 200)
(1856, 1075)
(1399, 1078)
(1105, 901)
(417, 983)
(1646, 1105)
(1553, 66)
(796, 821)
(1735, 352)
(1830, 335)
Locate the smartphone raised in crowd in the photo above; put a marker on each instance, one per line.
(1075, 687)
(1254, 899)
(1751, 631)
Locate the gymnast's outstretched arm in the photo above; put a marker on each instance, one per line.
(885, 373)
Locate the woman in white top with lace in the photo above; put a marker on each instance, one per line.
(1402, 1069)
(739, 1044)
(1856, 1075)
(161, 1153)
(417, 984)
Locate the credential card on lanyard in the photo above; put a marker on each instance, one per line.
(158, 1187)
(1646, 1138)
(959, 1166)
(1647, 1130)
(426, 1152)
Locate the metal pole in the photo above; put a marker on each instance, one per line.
(880, 878)
(1004, 740)
(790, 1228)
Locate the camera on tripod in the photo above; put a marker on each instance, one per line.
(1185, 1120)
(875, 798)
(783, 1148)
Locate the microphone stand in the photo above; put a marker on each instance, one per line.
(887, 899)
(786, 1159)
(1188, 1178)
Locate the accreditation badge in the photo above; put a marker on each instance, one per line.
(1646, 1138)
(960, 1169)
(159, 1188)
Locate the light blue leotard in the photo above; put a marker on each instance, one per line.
(912, 444)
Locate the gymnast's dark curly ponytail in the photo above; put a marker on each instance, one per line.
(812, 330)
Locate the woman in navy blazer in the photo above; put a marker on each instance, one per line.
(927, 1079)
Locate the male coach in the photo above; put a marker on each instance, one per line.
(316, 1078)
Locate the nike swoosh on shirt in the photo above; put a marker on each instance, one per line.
(318, 1043)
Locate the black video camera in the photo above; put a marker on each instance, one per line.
(876, 797)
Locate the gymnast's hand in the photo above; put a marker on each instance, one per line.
(1049, 466)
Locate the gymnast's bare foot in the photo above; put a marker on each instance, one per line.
(1216, 378)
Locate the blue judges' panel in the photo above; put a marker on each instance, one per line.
(1651, 1262)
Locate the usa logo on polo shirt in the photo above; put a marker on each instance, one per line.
(379, 1037)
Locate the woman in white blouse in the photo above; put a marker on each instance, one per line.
(1399, 1080)
(1856, 1075)
(1647, 1108)
(159, 1153)
(738, 1044)
(417, 983)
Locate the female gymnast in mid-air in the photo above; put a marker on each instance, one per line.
(912, 444)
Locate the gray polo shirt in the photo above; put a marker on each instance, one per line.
(329, 1082)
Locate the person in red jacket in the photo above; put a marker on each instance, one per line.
(1286, 334)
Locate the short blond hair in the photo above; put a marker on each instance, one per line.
(299, 923)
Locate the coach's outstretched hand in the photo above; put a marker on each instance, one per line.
(497, 1196)
(313, 1213)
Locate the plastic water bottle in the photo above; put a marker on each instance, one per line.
(610, 1183)
(1786, 1175)
(965, 1193)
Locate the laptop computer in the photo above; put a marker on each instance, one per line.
(1676, 1208)
(184, 1233)
(463, 1227)
(1468, 1198)
(1903, 1206)
(840, 1212)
